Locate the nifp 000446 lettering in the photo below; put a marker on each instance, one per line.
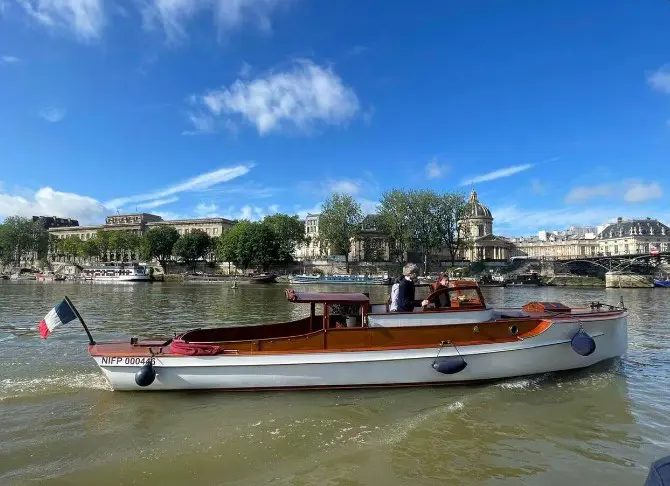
(134, 361)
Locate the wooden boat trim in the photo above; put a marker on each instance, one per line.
(319, 340)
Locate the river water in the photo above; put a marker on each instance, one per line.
(61, 424)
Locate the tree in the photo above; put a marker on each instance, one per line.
(90, 248)
(394, 221)
(20, 237)
(424, 227)
(289, 233)
(192, 246)
(340, 223)
(249, 244)
(159, 243)
(263, 245)
(451, 215)
(71, 247)
(102, 238)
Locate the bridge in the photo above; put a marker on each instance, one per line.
(645, 263)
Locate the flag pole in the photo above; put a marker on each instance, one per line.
(76, 313)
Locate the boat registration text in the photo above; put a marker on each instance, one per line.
(120, 361)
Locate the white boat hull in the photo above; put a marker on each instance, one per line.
(119, 278)
(546, 352)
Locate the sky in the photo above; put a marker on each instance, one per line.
(557, 111)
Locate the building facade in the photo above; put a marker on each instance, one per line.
(138, 224)
(311, 249)
(477, 230)
(625, 237)
(636, 236)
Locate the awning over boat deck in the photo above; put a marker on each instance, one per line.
(327, 297)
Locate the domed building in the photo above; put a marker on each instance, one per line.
(477, 228)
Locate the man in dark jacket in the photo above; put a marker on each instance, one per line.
(406, 301)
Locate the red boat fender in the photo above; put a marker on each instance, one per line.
(195, 349)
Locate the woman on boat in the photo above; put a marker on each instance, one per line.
(441, 300)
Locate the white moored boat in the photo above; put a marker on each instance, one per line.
(356, 344)
(116, 272)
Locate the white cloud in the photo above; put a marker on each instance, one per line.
(496, 174)
(435, 170)
(171, 15)
(48, 202)
(245, 70)
(204, 210)
(9, 59)
(660, 80)
(639, 192)
(85, 18)
(157, 203)
(343, 186)
(368, 206)
(302, 212)
(252, 213)
(52, 114)
(197, 183)
(628, 190)
(301, 98)
(584, 193)
(537, 187)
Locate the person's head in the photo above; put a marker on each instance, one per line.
(411, 270)
(444, 279)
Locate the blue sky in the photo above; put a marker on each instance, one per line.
(556, 111)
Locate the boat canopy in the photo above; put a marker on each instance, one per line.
(326, 298)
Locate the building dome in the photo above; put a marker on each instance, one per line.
(476, 210)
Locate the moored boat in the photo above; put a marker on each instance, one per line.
(663, 283)
(49, 277)
(341, 279)
(117, 272)
(354, 343)
(263, 278)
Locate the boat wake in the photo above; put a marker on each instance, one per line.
(399, 431)
(47, 385)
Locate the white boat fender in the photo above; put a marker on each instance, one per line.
(448, 365)
(582, 343)
(146, 375)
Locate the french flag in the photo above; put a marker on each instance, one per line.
(61, 314)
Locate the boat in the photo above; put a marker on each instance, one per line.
(49, 277)
(524, 279)
(492, 281)
(663, 283)
(341, 279)
(263, 278)
(22, 276)
(354, 343)
(116, 272)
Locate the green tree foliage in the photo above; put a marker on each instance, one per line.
(249, 244)
(159, 243)
(339, 223)
(90, 248)
(102, 237)
(451, 212)
(22, 239)
(71, 247)
(193, 246)
(393, 219)
(424, 228)
(289, 232)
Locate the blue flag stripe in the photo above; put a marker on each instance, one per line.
(64, 312)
